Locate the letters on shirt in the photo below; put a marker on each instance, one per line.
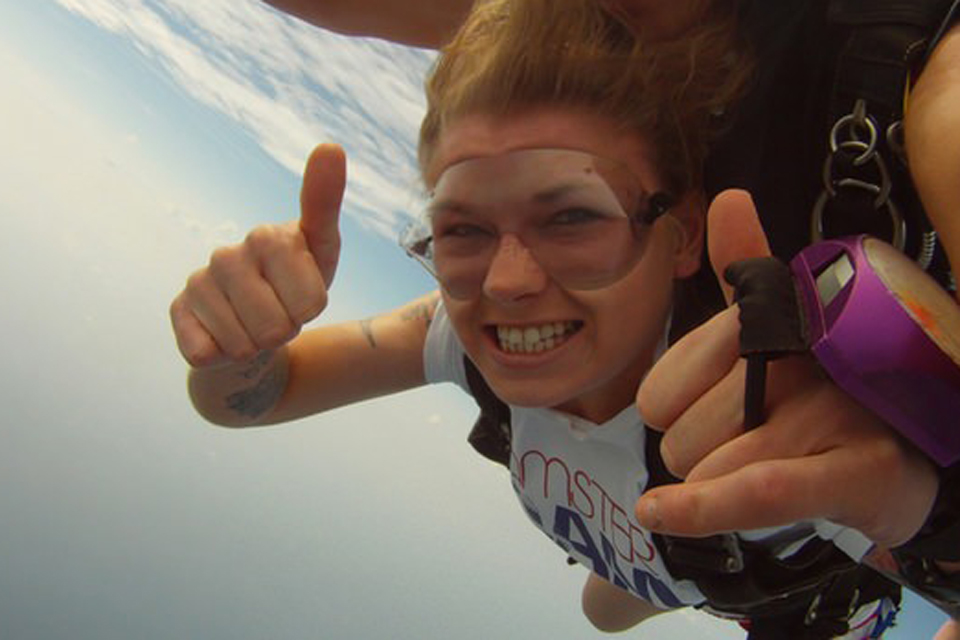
(590, 525)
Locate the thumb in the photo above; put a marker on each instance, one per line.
(324, 180)
(733, 233)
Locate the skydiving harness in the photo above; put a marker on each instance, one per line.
(807, 596)
(866, 186)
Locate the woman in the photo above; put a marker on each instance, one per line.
(562, 156)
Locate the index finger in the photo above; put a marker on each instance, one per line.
(324, 181)
(764, 494)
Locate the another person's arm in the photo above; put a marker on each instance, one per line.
(431, 23)
(932, 136)
(419, 23)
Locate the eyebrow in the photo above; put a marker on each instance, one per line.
(555, 193)
(551, 194)
(448, 206)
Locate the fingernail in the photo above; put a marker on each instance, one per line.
(648, 513)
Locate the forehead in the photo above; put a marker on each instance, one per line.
(475, 136)
(534, 177)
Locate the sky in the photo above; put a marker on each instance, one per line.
(138, 135)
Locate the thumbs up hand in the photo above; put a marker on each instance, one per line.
(818, 454)
(256, 295)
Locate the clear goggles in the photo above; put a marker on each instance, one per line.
(584, 219)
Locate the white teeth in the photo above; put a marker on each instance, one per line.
(534, 339)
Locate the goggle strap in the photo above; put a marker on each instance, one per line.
(658, 204)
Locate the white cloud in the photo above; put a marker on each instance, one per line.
(289, 86)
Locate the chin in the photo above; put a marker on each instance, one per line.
(532, 393)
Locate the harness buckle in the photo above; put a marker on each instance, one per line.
(813, 611)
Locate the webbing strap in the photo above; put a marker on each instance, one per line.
(491, 433)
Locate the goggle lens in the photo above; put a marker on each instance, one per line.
(584, 219)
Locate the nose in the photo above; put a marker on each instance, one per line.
(514, 272)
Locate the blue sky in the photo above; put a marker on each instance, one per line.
(137, 136)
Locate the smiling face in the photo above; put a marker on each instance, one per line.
(536, 342)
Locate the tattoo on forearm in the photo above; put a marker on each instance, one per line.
(423, 311)
(261, 397)
(366, 326)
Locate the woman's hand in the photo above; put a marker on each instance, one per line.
(256, 295)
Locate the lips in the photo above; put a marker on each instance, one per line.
(535, 338)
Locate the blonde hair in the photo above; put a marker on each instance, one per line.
(513, 55)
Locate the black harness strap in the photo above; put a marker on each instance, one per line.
(736, 576)
(491, 433)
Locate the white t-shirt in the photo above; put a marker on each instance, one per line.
(578, 482)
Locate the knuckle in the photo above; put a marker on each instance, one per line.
(310, 307)
(241, 351)
(328, 259)
(771, 487)
(225, 261)
(694, 506)
(201, 357)
(888, 459)
(273, 334)
(672, 459)
(175, 310)
(264, 240)
(196, 282)
(889, 452)
(200, 292)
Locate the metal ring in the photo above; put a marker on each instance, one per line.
(899, 226)
(851, 122)
(882, 194)
(830, 181)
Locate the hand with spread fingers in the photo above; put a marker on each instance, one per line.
(256, 295)
(819, 454)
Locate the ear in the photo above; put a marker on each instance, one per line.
(688, 217)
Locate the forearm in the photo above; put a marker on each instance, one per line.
(348, 363)
(419, 23)
(321, 369)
